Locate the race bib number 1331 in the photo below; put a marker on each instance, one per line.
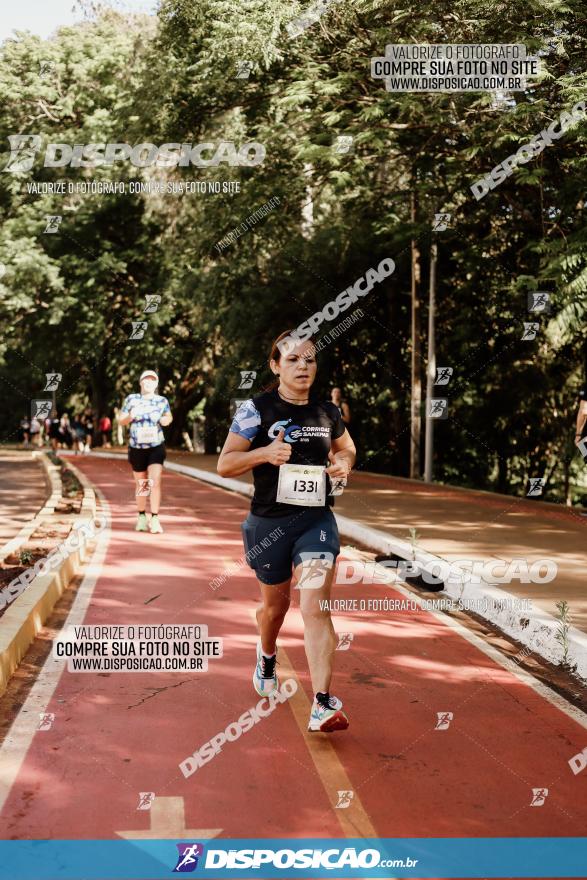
(302, 484)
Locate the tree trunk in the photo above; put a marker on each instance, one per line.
(399, 438)
(307, 225)
(100, 385)
(502, 474)
(567, 480)
(216, 425)
(178, 425)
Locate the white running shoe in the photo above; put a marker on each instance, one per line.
(155, 526)
(265, 677)
(327, 715)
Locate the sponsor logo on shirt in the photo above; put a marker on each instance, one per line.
(293, 433)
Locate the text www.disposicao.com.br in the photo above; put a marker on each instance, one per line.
(134, 664)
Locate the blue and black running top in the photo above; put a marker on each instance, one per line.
(150, 411)
(309, 428)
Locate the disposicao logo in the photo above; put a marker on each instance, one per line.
(188, 855)
(341, 303)
(24, 149)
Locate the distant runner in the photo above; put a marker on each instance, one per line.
(25, 428)
(105, 428)
(79, 433)
(36, 430)
(146, 413)
(54, 430)
(341, 404)
(88, 423)
(300, 452)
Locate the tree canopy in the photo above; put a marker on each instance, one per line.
(68, 299)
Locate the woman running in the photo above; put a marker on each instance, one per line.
(146, 413)
(299, 450)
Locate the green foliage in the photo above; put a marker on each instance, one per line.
(67, 300)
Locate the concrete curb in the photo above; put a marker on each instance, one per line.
(535, 629)
(215, 479)
(52, 472)
(26, 615)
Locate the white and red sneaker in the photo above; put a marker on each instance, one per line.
(327, 715)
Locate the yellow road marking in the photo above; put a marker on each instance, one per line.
(354, 819)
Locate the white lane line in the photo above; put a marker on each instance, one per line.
(525, 677)
(20, 736)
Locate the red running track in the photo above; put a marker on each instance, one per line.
(115, 735)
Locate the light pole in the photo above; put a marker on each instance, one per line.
(416, 382)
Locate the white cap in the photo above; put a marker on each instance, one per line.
(146, 373)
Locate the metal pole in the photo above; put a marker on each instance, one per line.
(431, 370)
(416, 388)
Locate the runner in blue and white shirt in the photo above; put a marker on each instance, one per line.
(146, 413)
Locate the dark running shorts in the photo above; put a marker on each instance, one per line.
(140, 459)
(274, 543)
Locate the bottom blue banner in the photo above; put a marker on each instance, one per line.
(294, 857)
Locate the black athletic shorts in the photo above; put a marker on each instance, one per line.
(140, 459)
(273, 544)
